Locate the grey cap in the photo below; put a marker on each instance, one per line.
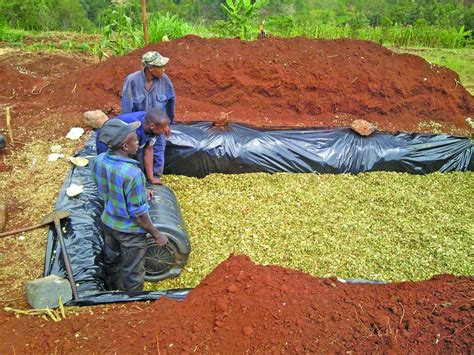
(114, 132)
(154, 59)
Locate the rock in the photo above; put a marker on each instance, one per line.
(45, 292)
(363, 127)
(222, 121)
(95, 119)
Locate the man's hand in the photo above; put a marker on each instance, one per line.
(155, 181)
(167, 132)
(149, 193)
(160, 239)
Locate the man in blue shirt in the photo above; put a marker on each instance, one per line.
(153, 124)
(121, 185)
(147, 89)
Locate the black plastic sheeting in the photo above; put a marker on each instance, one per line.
(200, 149)
(121, 296)
(84, 242)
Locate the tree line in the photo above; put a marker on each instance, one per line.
(91, 15)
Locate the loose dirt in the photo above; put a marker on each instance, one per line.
(296, 82)
(243, 307)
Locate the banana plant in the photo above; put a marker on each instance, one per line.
(240, 13)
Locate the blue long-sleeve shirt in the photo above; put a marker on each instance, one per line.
(135, 96)
(143, 138)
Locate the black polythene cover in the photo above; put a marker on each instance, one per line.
(200, 149)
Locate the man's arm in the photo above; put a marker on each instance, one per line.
(100, 147)
(148, 164)
(127, 104)
(170, 109)
(144, 221)
(137, 206)
(170, 104)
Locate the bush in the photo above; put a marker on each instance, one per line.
(10, 35)
(170, 25)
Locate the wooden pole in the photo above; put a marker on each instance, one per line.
(9, 126)
(3, 216)
(19, 230)
(145, 22)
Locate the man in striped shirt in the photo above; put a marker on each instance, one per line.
(121, 185)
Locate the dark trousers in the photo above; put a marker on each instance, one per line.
(124, 260)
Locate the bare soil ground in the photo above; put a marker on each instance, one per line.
(243, 307)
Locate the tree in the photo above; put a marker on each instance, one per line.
(469, 19)
(94, 10)
(69, 15)
(26, 14)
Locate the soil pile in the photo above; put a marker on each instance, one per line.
(287, 82)
(241, 307)
(14, 82)
(26, 76)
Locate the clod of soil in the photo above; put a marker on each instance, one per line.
(362, 127)
(242, 307)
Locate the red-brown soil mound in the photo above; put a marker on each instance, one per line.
(242, 307)
(25, 76)
(290, 82)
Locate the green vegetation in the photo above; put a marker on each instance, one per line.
(240, 14)
(44, 15)
(384, 226)
(427, 23)
(418, 35)
(173, 27)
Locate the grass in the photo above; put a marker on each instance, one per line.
(48, 41)
(385, 226)
(396, 34)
